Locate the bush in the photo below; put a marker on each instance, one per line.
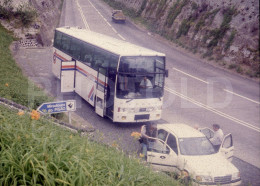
(230, 40)
(25, 14)
(6, 9)
(219, 33)
(174, 11)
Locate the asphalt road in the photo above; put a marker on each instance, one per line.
(196, 93)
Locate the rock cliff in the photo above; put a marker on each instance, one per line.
(48, 16)
(223, 31)
(42, 29)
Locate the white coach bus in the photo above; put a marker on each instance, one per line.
(107, 73)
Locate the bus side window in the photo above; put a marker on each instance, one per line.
(57, 40)
(75, 48)
(86, 54)
(65, 43)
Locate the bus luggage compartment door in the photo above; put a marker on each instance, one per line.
(100, 92)
(67, 76)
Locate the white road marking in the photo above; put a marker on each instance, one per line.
(223, 89)
(248, 125)
(82, 16)
(107, 21)
(242, 96)
(190, 75)
(121, 37)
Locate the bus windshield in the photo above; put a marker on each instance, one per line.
(141, 77)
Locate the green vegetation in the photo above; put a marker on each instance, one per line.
(219, 33)
(202, 20)
(24, 14)
(13, 84)
(174, 11)
(230, 39)
(36, 152)
(184, 28)
(142, 8)
(161, 8)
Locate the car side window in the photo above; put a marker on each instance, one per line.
(228, 141)
(162, 134)
(171, 141)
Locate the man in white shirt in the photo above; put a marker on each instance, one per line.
(218, 136)
(146, 83)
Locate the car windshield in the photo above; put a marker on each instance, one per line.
(196, 146)
(140, 77)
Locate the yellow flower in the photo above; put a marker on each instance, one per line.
(20, 113)
(115, 145)
(70, 136)
(136, 135)
(18, 138)
(35, 115)
(141, 155)
(7, 85)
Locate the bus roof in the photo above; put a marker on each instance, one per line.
(111, 44)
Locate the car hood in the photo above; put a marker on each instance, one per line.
(213, 165)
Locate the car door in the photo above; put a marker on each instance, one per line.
(227, 147)
(160, 155)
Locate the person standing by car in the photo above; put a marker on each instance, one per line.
(147, 131)
(218, 136)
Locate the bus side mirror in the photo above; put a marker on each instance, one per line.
(166, 72)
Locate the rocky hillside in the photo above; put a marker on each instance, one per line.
(223, 31)
(48, 16)
(41, 30)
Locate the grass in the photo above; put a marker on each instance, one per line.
(13, 84)
(36, 152)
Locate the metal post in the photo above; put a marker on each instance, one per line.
(69, 117)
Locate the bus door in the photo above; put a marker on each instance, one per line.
(101, 91)
(67, 76)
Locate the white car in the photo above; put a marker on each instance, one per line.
(187, 151)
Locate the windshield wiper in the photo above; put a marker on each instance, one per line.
(129, 100)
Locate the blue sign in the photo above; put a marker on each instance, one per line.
(57, 107)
